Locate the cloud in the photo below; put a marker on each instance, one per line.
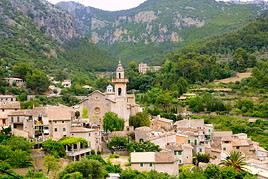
(111, 5)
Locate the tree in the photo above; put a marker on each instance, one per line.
(200, 157)
(139, 120)
(51, 163)
(118, 143)
(143, 147)
(75, 175)
(196, 104)
(111, 122)
(212, 172)
(21, 70)
(236, 160)
(77, 114)
(53, 147)
(20, 159)
(18, 143)
(88, 169)
(38, 81)
(85, 113)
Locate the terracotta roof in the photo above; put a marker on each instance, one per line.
(10, 105)
(240, 142)
(174, 146)
(152, 157)
(52, 112)
(81, 130)
(164, 157)
(3, 116)
(143, 129)
(20, 113)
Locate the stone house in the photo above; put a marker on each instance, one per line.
(15, 81)
(42, 123)
(183, 152)
(164, 162)
(144, 68)
(161, 123)
(196, 124)
(77, 151)
(143, 134)
(6, 107)
(7, 98)
(67, 83)
(224, 142)
(93, 136)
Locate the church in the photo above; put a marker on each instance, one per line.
(115, 99)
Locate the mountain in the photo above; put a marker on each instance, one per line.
(156, 26)
(35, 31)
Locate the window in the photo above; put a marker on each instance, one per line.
(141, 164)
(189, 141)
(119, 75)
(89, 134)
(195, 142)
(119, 91)
(55, 129)
(151, 164)
(200, 150)
(177, 153)
(237, 148)
(224, 149)
(3, 110)
(62, 121)
(64, 129)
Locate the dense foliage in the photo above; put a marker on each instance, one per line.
(15, 151)
(111, 122)
(139, 120)
(125, 144)
(87, 168)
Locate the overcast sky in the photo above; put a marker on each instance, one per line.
(111, 5)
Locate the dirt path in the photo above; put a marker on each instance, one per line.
(237, 77)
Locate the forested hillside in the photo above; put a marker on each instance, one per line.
(38, 33)
(157, 26)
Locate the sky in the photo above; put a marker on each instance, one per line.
(110, 5)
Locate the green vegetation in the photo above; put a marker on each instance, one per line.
(236, 160)
(54, 148)
(139, 120)
(51, 163)
(199, 157)
(142, 147)
(87, 168)
(206, 102)
(125, 144)
(213, 172)
(111, 122)
(15, 151)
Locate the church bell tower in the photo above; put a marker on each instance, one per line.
(120, 82)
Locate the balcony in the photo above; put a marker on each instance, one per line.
(120, 80)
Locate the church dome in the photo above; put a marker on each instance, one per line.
(109, 89)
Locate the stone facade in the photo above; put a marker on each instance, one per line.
(159, 161)
(113, 100)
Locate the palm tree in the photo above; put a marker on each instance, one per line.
(236, 160)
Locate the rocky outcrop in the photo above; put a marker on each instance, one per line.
(52, 21)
